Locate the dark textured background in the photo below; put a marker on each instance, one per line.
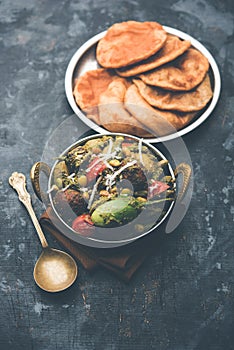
(182, 297)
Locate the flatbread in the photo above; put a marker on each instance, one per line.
(172, 48)
(182, 74)
(129, 42)
(89, 87)
(190, 101)
(160, 122)
(112, 114)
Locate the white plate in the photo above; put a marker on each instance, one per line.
(84, 60)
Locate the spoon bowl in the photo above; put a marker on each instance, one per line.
(55, 270)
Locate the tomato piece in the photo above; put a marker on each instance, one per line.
(157, 187)
(83, 225)
(95, 168)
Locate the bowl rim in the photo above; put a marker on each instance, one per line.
(92, 239)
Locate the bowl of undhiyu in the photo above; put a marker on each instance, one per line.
(110, 189)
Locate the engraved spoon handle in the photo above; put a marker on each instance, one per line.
(18, 182)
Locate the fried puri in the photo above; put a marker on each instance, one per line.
(172, 48)
(151, 83)
(112, 114)
(129, 42)
(89, 87)
(182, 74)
(190, 101)
(160, 122)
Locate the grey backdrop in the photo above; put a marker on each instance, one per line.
(182, 297)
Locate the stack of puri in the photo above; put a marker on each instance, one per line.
(150, 83)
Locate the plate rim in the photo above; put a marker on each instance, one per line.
(194, 42)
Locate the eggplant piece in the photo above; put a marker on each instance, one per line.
(115, 212)
(123, 210)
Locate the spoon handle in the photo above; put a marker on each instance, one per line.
(18, 182)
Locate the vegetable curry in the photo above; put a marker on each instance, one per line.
(111, 181)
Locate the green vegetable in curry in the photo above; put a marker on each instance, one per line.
(115, 212)
(114, 177)
(119, 211)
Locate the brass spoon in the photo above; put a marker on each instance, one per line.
(54, 270)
